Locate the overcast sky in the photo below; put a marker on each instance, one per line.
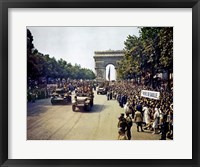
(77, 44)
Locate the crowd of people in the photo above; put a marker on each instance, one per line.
(155, 115)
(147, 113)
(42, 91)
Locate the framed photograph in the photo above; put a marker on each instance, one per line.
(99, 83)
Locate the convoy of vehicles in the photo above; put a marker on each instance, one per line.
(83, 97)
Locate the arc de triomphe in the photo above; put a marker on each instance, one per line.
(103, 58)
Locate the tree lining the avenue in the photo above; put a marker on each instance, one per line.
(40, 65)
(149, 54)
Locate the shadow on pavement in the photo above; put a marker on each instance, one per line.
(95, 109)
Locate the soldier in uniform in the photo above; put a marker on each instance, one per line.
(108, 95)
(164, 128)
(122, 125)
(138, 118)
(122, 135)
(129, 125)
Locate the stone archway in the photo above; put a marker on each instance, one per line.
(103, 58)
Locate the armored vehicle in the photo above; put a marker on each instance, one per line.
(101, 90)
(61, 96)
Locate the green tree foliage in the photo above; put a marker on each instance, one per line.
(39, 65)
(30, 45)
(151, 52)
(166, 45)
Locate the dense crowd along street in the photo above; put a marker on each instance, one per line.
(118, 111)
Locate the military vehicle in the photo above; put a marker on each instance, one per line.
(83, 100)
(61, 96)
(101, 90)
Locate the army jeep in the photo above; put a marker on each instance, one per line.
(83, 100)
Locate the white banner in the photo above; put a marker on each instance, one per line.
(150, 94)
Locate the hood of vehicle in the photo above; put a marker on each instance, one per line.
(81, 98)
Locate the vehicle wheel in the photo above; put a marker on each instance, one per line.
(52, 102)
(91, 103)
(73, 108)
(69, 99)
(68, 102)
(88, 107)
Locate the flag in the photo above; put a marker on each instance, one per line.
(109, 74)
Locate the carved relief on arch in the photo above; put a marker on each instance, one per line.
(99, 73)
(99, 64)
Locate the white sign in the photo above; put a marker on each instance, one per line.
(150, 94)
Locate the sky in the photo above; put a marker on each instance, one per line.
(78, 44)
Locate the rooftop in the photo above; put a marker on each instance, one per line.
(109, 53)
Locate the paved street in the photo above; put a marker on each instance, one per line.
(59, 122)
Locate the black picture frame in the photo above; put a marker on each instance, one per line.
(6, 4)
